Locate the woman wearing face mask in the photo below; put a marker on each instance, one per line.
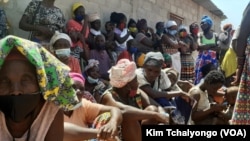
(122, 35)
(34, 85)
(187, 61)
(100, 54)
(94, 82)
(132, 27)
(80, 21)
(172, 44)
(60, 45)
(135, 105)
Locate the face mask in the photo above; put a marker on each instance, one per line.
(132, 93)
(195, 31)
(159, 31)
(79, 17)
(18, 107)
(133, 50)
(63, 52)
(92, 80)
(122, 26)
(133, 29)
(172, 32)
(183, 34)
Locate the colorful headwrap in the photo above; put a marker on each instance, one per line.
(208, 20)
(92, 63)
(122, 73)
(76, 5)
(53, 76)
(77, 77)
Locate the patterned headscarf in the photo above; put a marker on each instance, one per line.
(53, 76)
(77, 76)
(122, 73)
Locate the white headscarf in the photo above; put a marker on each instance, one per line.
(91, 63)
(154, 55)
(58, 36)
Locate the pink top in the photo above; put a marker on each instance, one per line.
(84, 115)
(39, 127)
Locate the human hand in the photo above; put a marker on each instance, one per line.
(237, 76)
(218, 107)
(107, 131)
(162, 118)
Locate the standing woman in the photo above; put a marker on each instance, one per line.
(207, 46)
(33, 86)
(42, 19)
(241, 109)
(187, 61)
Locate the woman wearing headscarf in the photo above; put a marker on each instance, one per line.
(42, 19)
(133, 102)
(34, 85)
(95, 29)
(207, 46)
(172, 44)
(94, 82)
(132, 27)
(104, 119)
(60, 45)
(155, 83)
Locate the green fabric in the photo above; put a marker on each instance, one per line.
(53, 76)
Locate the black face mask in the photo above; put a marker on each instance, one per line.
(18, 107)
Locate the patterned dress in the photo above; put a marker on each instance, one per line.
(52, 18)
(3, 23)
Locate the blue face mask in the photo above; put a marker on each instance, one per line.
(133, 50)
(172, 32)
(79, 17)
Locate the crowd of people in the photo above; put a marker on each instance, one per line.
(69, 80)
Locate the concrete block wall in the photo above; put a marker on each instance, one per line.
(152, 10)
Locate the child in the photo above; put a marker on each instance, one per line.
(225, 116)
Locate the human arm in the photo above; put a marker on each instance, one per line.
(198, 115)
(109, 130)
(73, 132)
(132, 112)
(55, 132)
(158, 94)
(241, 44)
(166, 40)
(119, 39)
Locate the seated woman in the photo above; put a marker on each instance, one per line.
(60, 45)
(204, 112)
(155, 83)
(94, 82)
(109, 117)
(34, 86)
(133, 102)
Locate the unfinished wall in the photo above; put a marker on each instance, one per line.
(152, 10)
